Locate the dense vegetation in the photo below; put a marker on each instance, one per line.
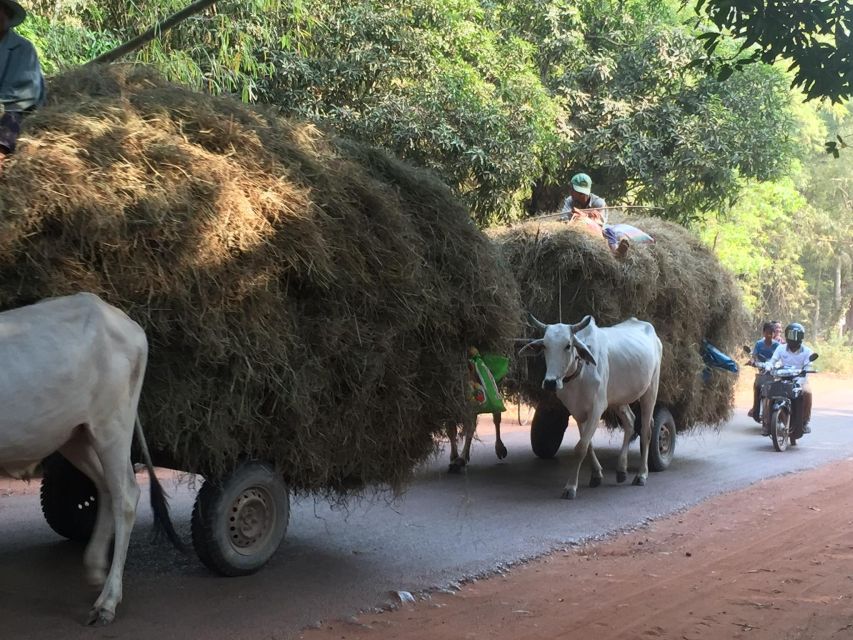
(505, 99)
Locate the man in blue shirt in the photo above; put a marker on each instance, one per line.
(761, 352)
(582, 201)
(21, 81)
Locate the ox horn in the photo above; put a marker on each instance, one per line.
(538, 323)
(583, 324)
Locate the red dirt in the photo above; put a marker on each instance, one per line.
(772, 562)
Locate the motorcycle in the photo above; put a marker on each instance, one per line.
(781, 416)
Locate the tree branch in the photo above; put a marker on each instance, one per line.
(154, 32)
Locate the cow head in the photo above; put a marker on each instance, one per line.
(564, 352)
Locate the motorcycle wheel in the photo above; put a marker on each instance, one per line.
(780, 421)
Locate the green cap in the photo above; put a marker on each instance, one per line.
(582, 183)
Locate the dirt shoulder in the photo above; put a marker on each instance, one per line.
(774, 561)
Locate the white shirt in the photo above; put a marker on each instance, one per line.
(783, 357)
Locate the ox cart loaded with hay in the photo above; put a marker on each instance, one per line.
(308, 301)
(675, 283)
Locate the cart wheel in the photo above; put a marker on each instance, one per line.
(239, 521)
(68, 499)
(548, 428)
(662, 445)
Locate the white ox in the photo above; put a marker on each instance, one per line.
(591, 369)
(70, 381)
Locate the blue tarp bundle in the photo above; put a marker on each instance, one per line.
(713, 357)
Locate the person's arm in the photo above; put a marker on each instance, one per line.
(755, 357)
(776, 358)
(567, 206)
(603, 212)
(23, 86)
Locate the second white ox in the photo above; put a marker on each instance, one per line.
(594, 368)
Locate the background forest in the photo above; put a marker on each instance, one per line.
(506, 99)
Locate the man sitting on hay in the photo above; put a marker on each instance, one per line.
(584, 207)
(22, 86)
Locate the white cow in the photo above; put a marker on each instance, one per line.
(71, 375)
(592, 368)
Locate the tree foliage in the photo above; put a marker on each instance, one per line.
(790, 241)
(504, 99)
(814, 36)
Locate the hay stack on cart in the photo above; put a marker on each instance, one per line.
(309, 301)
(676, 283)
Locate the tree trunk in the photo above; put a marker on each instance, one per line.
(838, 283)
(154, 32)
(816, 323)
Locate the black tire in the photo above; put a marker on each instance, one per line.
(780, 429)
(549, 424)
(69, 500)
(239, 521)
(662, 445)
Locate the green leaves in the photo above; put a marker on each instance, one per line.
(814, 36)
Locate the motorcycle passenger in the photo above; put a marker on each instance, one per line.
(796, 355)
(778, 334)
(762, 352)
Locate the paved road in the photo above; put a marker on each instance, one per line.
(338, 561)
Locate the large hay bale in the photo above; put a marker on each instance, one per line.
(308, 301)
(677, 284)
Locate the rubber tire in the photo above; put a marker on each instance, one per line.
(778, 444)
(658, 460)
(210, 519)
(65, 492)
(547, 429)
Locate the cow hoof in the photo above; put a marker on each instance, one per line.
(639, 482)
(621, 477)
(594, 481)
(501, 452)
(454, 468)
(569, 494)
(100, 617)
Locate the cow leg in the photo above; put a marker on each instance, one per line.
(452, 430)
(114, 455)
(587, 426)
(500, 449)
(597, 474)
(647, 405)
(80, 453)
(457, 461)
(626, 419)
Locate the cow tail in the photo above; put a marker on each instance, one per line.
(159, 502)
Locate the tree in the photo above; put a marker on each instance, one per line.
(156, 31)
(648, 128)
(503, 99)
(814, 36)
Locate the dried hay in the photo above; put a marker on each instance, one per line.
(677, 284)
(308, 301)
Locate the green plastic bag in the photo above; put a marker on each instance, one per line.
(485, 372)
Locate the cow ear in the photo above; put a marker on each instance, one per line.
(583, 351)
(532, 348)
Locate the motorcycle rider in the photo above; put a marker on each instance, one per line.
(796, 355)
(762, 352)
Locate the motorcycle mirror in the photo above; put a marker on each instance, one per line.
(813, 357)
(747, 350)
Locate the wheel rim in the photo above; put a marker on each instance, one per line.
(781, 429)
(251, 520)
(665, 440)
